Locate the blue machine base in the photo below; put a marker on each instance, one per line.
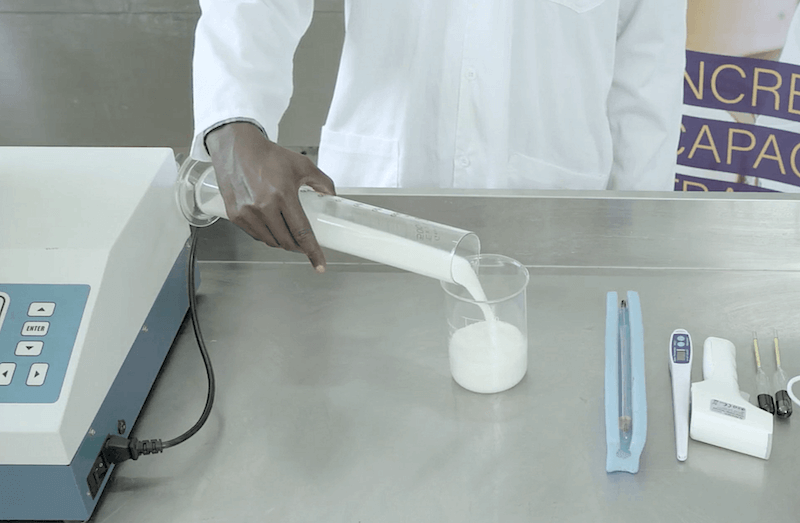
(61, 492)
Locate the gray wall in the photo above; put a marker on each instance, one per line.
(118, 73)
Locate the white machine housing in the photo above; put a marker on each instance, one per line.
(103, 217)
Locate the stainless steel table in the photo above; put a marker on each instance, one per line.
(335, 402)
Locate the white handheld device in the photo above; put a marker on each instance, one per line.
(680, 370)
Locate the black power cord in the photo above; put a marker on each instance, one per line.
(117, 449)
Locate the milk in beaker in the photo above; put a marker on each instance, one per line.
(486, 356)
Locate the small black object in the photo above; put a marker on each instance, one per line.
(117, 449)
(783, 404)
(121, 427)
(97, 474)
(765, 402)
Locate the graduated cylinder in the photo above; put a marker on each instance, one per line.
(380, 235)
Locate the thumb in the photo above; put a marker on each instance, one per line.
(320, 182)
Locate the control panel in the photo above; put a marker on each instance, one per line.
(38, 328)
(681, 347)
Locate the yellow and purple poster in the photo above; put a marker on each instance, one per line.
(741, 120)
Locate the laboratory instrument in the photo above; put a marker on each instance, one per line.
(765, 401)
(380, 235)
(680, 371)
(783, 404)
(487, 323)
(625, 392)
(721, 415)
(624, 366)
(93, 271)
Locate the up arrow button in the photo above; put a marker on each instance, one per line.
(41, 309)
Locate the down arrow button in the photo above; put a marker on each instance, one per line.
(29, 348)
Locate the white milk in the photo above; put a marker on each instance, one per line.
(466, 277)
(381, 247)
(488, 357)
(388, 249)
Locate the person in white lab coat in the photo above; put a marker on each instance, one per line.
(515, 94)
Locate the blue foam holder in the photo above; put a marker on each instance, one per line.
(616, 462)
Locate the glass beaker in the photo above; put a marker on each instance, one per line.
(356, 228)
(487, 322)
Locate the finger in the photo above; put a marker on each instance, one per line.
(274, 219)
(319, 181)
(297, 248)
(258, 230)
(300, 229)
(243, 225)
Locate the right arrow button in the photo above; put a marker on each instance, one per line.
(37, 374)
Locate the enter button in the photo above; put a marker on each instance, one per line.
(35, 328)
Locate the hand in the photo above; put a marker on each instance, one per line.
(259, 181)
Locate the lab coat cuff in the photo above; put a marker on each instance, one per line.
(199, 149)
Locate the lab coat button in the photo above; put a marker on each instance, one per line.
(463, 161)
(471, 74)
(6, 373)
(37, 374)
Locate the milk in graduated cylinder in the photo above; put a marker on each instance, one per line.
(379, 246)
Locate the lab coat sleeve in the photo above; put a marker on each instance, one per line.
(646, 96)
(242, 65)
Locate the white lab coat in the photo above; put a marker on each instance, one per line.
(538, 94)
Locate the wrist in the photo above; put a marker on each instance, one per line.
(222, 137)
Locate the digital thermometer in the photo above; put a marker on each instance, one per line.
(680, 370)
